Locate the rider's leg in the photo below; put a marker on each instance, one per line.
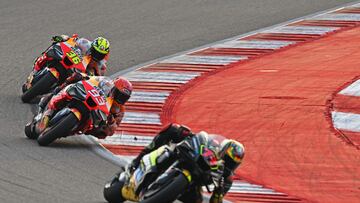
(55, 103)
(153, 164)
(170, 133)
(41, 61)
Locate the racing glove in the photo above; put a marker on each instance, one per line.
(60, 38)
(217, 196)
(103, 69)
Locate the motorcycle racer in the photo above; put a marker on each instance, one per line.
(232, 153)
(98, 51)
(118, 89)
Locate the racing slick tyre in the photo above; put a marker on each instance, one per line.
(29, 131)
(167, 192)
(39, 88)
(60, 129)
(112, 190)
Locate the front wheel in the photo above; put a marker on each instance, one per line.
(168, 191)
(41, 87)
(60, 129)
(112, 190)
(29, 131)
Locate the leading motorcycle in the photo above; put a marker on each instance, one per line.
(88, 106)
(197, 164)
(66, 59)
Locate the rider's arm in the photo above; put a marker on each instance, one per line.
(103, 66)
(103, 69)
(113, 121)
(98, 68)
(75, 77)
(171, 133)
(219, 192)
(58, 99)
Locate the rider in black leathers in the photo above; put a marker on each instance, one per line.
(175, 133)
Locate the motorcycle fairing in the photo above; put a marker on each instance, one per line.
(73, 55)
(77, 90)
(105, 85)
(98, 96)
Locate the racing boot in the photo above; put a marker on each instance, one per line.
(44, 122)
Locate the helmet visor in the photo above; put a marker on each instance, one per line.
(120, 97)
(97, 55)
(230, 163)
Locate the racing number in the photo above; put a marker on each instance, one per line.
(74, 57)
(99, 99)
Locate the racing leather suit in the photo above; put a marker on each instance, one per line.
(175, 133)
(93, 68)
(116, 110)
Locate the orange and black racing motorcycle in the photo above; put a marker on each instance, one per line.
(66, 59)
(88, 106)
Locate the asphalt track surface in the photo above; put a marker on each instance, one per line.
(139, 31)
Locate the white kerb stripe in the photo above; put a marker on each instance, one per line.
(141, 118)
(346, 121)
(338, 16)
(207, 60)
(128, 140)
(352, 90)
(152, 97)
(301, 30)
(160, 76)
(254, 44)
(244, 187)
(355, 5)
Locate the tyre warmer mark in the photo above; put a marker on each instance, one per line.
(155, 82)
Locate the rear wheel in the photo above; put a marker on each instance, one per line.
(112, 190)
(60, 129)
(41, 87)
(168, 191)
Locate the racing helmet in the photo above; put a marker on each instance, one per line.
(232, 152)
(122, 90)
(100, 47)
